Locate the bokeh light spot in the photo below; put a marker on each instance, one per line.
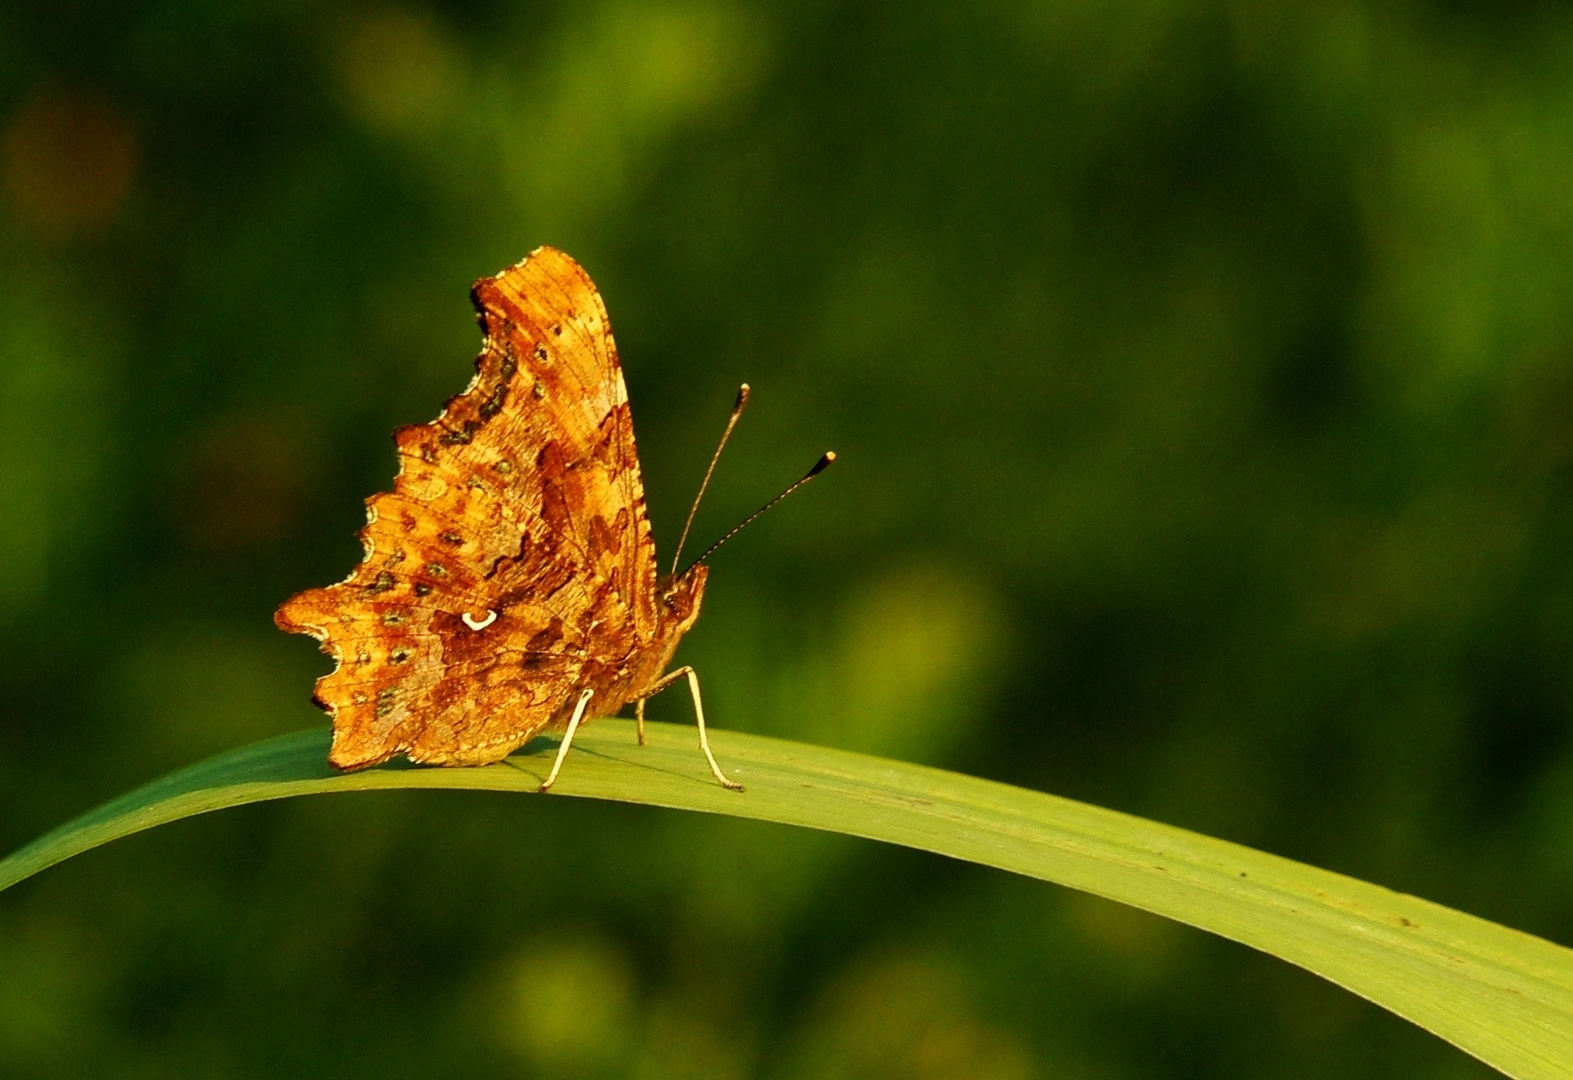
(244, 482)
(570, 1003)
(69, 160)
(912, 1018)
(401, 73)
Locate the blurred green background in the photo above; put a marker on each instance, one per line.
(1202, 377)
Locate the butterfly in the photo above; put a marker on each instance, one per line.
(509, 584)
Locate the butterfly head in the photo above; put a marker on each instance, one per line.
(680, 595)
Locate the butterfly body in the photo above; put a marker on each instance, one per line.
(512, 567)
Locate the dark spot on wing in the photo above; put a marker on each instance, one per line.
(463, 436)
(545, 639)
(493, 405)
(514, 596)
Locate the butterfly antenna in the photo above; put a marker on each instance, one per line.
(737, 411)
(819, 466)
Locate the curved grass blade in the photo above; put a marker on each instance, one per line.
(1504, 996)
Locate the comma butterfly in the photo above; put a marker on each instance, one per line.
(509, 584)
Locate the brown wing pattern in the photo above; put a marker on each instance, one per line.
(549, 312)
(512, 562)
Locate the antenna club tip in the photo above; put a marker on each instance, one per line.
(742, 396)
(822, 464)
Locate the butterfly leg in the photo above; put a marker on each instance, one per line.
(573, 726)
(699, 715)
(639, 718)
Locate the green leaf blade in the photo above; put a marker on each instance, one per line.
(1502, 995)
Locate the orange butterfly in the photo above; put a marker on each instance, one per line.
(510, 584)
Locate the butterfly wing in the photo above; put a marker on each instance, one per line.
(512, 562)
(548, 313)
